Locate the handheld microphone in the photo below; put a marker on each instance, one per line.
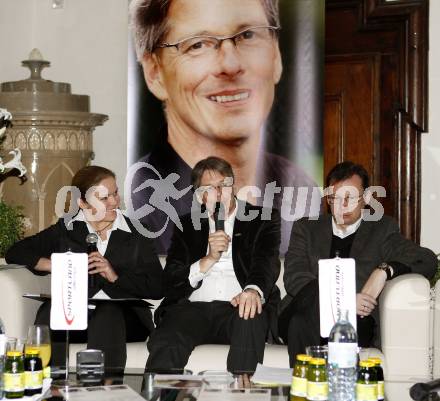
(219, 216)
(419, 391)
(92, 240)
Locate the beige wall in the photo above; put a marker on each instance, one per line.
(86, 42)
(87, 45)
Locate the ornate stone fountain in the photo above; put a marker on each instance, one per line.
(53, 130)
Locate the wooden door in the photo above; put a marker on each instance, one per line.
(350, 121)
(376, 96)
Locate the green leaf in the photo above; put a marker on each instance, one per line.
(11, 226)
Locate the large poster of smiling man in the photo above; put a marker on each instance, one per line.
(241, 80)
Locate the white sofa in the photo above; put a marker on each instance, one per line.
(405, 309)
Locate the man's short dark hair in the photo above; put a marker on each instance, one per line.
(344, 171)
(211, 163)
(149, 22)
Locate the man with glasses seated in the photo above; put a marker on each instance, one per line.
(380, 251)
(219, 279)
(214, 65)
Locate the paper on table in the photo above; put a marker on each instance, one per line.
(250, 394)
(103, 393)
(272, 376)
(45, 392)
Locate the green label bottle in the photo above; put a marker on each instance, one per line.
(317, 384)
(33, 372)
(298, 391)
(366, 386)
(380, 380)
(14, 375)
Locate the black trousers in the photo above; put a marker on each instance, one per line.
(110, 327)
(181, 327)
(299, 325)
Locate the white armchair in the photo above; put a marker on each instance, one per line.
(18, 313)
(406, 332)
(406, 320)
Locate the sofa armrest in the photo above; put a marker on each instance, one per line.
(436, 330)
(17, 312)
(406, 326)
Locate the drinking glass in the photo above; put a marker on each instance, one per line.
(19, 345)
(39, 338)
(217, 379)
(10, 344)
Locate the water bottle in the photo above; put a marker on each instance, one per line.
(2, 356)
(342, 360)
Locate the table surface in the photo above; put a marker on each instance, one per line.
(189, 393)
(395, 390)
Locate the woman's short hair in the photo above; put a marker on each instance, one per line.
(89, 176)
(149, 22)
(211, 163)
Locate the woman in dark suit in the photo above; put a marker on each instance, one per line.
(125, 266)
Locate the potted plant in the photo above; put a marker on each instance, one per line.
(11, 218)
(11, 227)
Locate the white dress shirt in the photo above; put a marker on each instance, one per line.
(118, 224)
(350, 229)
(219, 282)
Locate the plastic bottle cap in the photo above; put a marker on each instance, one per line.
(376, 361)
(303, 357)
(13, 354)
(317, 361)
(366, 364)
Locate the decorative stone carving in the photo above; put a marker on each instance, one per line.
(15, 161)
(53, 129)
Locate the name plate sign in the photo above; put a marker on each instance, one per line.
(337, 291)
(69, 291)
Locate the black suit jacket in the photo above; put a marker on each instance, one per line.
(271, 168)
(255, 255)
(131, 255)
(375, 242)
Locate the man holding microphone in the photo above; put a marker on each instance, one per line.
(219, 277)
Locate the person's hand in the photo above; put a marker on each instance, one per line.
(243, 381)
(99, 264)
(366, 299)
(44, 265)
(375, 283)
(248, 302)
(218, 243)
(365, 304)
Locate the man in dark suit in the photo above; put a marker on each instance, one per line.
(219, 282)
(380, 251)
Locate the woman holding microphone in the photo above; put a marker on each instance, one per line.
(124, 265)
